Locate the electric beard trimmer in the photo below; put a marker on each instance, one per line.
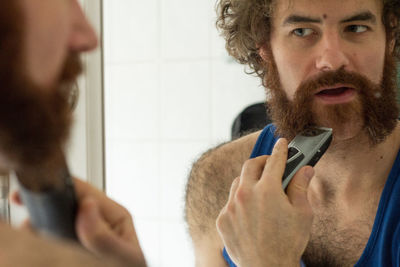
(306, 149)
(49, 195)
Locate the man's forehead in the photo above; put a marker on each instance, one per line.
(325, 9)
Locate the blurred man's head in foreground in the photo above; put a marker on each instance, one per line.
(40, 44)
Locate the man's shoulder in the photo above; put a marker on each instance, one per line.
(259, 138)
(245, 142)
(210, 178)
(207, 192)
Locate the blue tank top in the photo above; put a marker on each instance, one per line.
(383, 246)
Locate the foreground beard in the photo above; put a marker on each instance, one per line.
(374, 109)
(34, 121)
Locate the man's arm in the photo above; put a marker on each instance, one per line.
(207, 192)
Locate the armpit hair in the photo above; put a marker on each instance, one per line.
(204, 196)
(208, 186)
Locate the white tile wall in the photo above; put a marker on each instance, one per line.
(131, 30)
(184, 29)
(232, 91)
(133, 176)
(179, 254)
(217, 42)
(185, 94)
(149, 235)
(132, 97)
(171, 92)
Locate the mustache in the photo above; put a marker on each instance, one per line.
(331, 78)
(72, 69)
(68, 85)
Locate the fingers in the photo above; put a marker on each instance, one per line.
(97, 235)
(108, 207)
(258, 167)
(90, 225)
(229, 203)
(111, 210)
(234, 186)
(222, 222)
(249, 177)
(297, 189)
(93, 231)
(275, 167)
(252, 169)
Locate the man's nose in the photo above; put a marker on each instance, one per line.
(83, 37)
(332, 53)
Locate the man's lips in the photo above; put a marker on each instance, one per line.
(338, 94)
(334, 89)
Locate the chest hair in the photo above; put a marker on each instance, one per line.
(337, 241)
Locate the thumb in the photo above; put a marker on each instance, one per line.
(297, 189)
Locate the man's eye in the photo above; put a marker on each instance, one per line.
(357, 28)
(302, 32)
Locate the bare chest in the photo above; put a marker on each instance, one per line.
(337, 241)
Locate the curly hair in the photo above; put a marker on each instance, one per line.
(246, 25)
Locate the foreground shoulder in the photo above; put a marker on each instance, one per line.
(238, 149)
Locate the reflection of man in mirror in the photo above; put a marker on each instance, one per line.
(324, 63)
(40, 45)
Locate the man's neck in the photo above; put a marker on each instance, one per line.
(352, 169)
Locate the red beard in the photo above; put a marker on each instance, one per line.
(374, 109)
(34, 123)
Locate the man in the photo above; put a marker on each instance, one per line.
(326, 63)
(40, 44)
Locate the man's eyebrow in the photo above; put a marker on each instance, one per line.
(363, 16)
(293, 19)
